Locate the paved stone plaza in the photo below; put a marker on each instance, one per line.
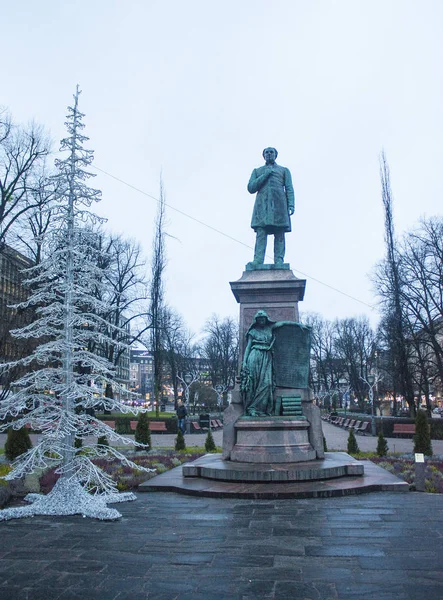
(384, 546)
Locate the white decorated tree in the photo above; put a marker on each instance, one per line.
(65, 380)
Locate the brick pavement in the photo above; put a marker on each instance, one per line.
(383, 546)
(170, 547)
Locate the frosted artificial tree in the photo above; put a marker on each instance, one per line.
(65, 380)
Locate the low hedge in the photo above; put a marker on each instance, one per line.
(436, 426)
(123, 422)
(389, 422)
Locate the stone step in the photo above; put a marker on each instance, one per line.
(212, 467)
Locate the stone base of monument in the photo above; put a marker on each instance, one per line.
(338, 474)
(272, 439)
(278, 438)
(336, 465)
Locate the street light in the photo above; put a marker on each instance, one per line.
(370, 382)
(187, 380)
(219, 389)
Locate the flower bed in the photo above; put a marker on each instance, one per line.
(404, 468)
(126, 477)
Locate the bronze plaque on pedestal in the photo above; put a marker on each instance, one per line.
(291, 356)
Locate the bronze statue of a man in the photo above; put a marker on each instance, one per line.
(273, 206)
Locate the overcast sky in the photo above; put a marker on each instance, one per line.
(196, 89)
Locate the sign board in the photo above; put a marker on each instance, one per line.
(419, 458)
(292, 348)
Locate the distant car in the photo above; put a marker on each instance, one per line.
(438, 411)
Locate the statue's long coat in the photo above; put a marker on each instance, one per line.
(274, 198)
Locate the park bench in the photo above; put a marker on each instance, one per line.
(196, 426)
(351, 424)
(153, 425)
(214, 424)
(220, 424)
(404, 429)
(339, 421)
(345, 424)
(157, 426)
(364, 427)
(356, 425)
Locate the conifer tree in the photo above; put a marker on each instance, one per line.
(17, 442)
(352, 443)
(65, 380)
(209, 443)
(422, 437)
(180, 443)
(382, 445)
(143, 433)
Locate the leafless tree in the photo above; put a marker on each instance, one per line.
(389, 286)
(28, 232)
(22, 150)
(422, 297)
(157, 303)
(179, 349)
(355, 344)
(327, 368)
(220, 348)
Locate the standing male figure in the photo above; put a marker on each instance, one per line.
(273, 206)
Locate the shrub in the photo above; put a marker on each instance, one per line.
(78, 443)
(103, 441)
(4, 470)
(17, 442)
(352, 443)
(143, 433)
(122, 426)
(422, 437)
(180, 443)
(209, 443)
(325, 445)
(382, 445)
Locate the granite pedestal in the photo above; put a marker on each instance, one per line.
(278, 292)
(272, 439)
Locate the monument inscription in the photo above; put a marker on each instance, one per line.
(291, 356)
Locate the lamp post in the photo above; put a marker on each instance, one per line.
(371, 379)
(219, 389)
(187, 380)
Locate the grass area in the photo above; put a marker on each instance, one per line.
(4, 470)
(201, 449)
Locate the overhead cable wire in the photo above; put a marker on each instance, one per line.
(188, 216)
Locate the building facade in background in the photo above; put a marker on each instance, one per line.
(141, 374)
(12, 291)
